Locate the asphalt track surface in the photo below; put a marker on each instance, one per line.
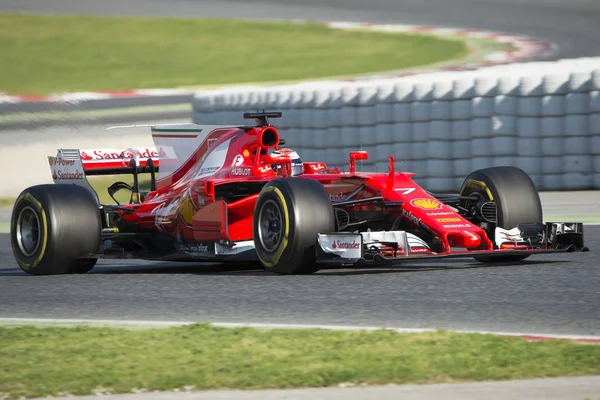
(572, 25)
(586, 387)
(548, 294)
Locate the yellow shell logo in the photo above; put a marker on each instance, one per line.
(427, 204)
(51, 160)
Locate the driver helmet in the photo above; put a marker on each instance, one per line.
(297, 167)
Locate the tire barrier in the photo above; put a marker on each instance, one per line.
(543, 117)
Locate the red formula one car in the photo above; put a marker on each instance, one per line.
(234, 194)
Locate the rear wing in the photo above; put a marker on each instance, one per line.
(175, 144)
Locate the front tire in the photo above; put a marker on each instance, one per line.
(55, 229)
(288, 215)
(517, 201)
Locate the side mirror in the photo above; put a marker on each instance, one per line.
(357, 155)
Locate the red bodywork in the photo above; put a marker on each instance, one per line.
(187, 202)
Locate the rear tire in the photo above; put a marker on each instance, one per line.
(55, 229)
(289, 214)
(517, 200)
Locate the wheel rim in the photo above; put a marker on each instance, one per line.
(28, 231)
(270, 226)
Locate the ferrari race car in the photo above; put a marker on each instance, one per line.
(235, 194)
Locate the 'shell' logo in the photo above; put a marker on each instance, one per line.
(427, 204)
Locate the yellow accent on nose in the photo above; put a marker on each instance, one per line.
(427, 204)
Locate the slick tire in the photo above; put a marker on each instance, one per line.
(54, 229)
(517, 201)
(288, 215)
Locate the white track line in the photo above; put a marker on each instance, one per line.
(141, 323)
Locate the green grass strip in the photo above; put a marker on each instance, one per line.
(81, 360)
(45, 54)
(7, 201)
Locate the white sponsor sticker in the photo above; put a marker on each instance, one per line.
(334, 198)
(344, 245)
(456, 226)
(264, 169)
(241, 171)
(65, 170)
(199, 250)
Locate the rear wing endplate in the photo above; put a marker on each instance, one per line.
(66, 168)
(72, 166)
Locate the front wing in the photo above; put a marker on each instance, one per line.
(389, 246)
